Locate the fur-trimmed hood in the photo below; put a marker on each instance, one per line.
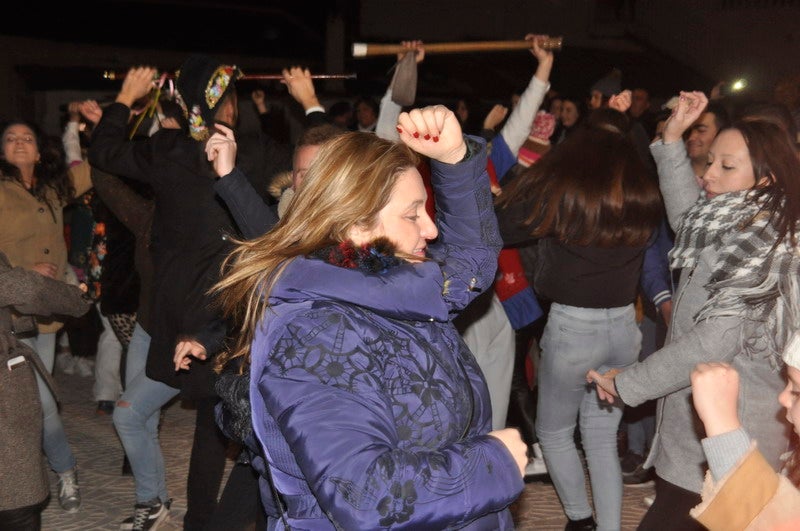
(279, 184)
(281, 189)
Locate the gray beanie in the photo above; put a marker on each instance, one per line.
(610, 84)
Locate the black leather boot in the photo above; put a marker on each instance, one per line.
(584, 524)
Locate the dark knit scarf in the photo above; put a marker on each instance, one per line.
(233, 386)
(752, 278)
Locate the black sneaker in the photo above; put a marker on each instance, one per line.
(630, 462)
(585, 524)
(126, 467)
(146, 516)
(105, 407)
(640, 477)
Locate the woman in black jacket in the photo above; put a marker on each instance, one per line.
(189, 239)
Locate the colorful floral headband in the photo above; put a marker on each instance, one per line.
(216, 88)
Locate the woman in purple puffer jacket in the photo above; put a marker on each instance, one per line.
(368, 410)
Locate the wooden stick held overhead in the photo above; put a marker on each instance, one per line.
(313, 76)
(113, 75)
(363, 49)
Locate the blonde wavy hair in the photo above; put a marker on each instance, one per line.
(347, 185)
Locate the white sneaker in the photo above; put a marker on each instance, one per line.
(69, 495)
(66, 363)
(648, 500)
(84, 367)
(537, 451)
(535, 467)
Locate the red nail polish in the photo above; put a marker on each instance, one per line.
(399, 130)
(416, 135)
(427, 137)
(436, 139)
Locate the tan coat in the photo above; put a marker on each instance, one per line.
(751, 497)
(31, 233)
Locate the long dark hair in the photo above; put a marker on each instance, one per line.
(592, 189)
(51, 172)
(774, 157)
(773, 112)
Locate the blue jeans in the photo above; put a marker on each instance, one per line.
(55, 444)
(136, 419)
(107, 384)
(574, 341)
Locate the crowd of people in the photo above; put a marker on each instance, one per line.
(395, 317)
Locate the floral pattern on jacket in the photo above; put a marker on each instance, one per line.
(367, 404)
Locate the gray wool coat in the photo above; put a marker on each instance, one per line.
(23, 474)
(676, 451)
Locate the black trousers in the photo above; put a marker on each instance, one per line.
(522, 402)
(670, 510)
(23, 519)
(240, 507)
(206, 466)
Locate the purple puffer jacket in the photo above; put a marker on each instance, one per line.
(368, 406)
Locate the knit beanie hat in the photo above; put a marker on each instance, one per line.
(610, 84)
(544, 124)
(538, 142)
(202, 82)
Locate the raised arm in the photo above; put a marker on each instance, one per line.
(133, 210)
(301, 87)
(518, 126)
(675, 175)
(71, 135)
(110, 150)
(493, 118)
(469, 241)
(253, 216)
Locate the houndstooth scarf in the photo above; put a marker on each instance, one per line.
(750, 278)
(707, 223)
